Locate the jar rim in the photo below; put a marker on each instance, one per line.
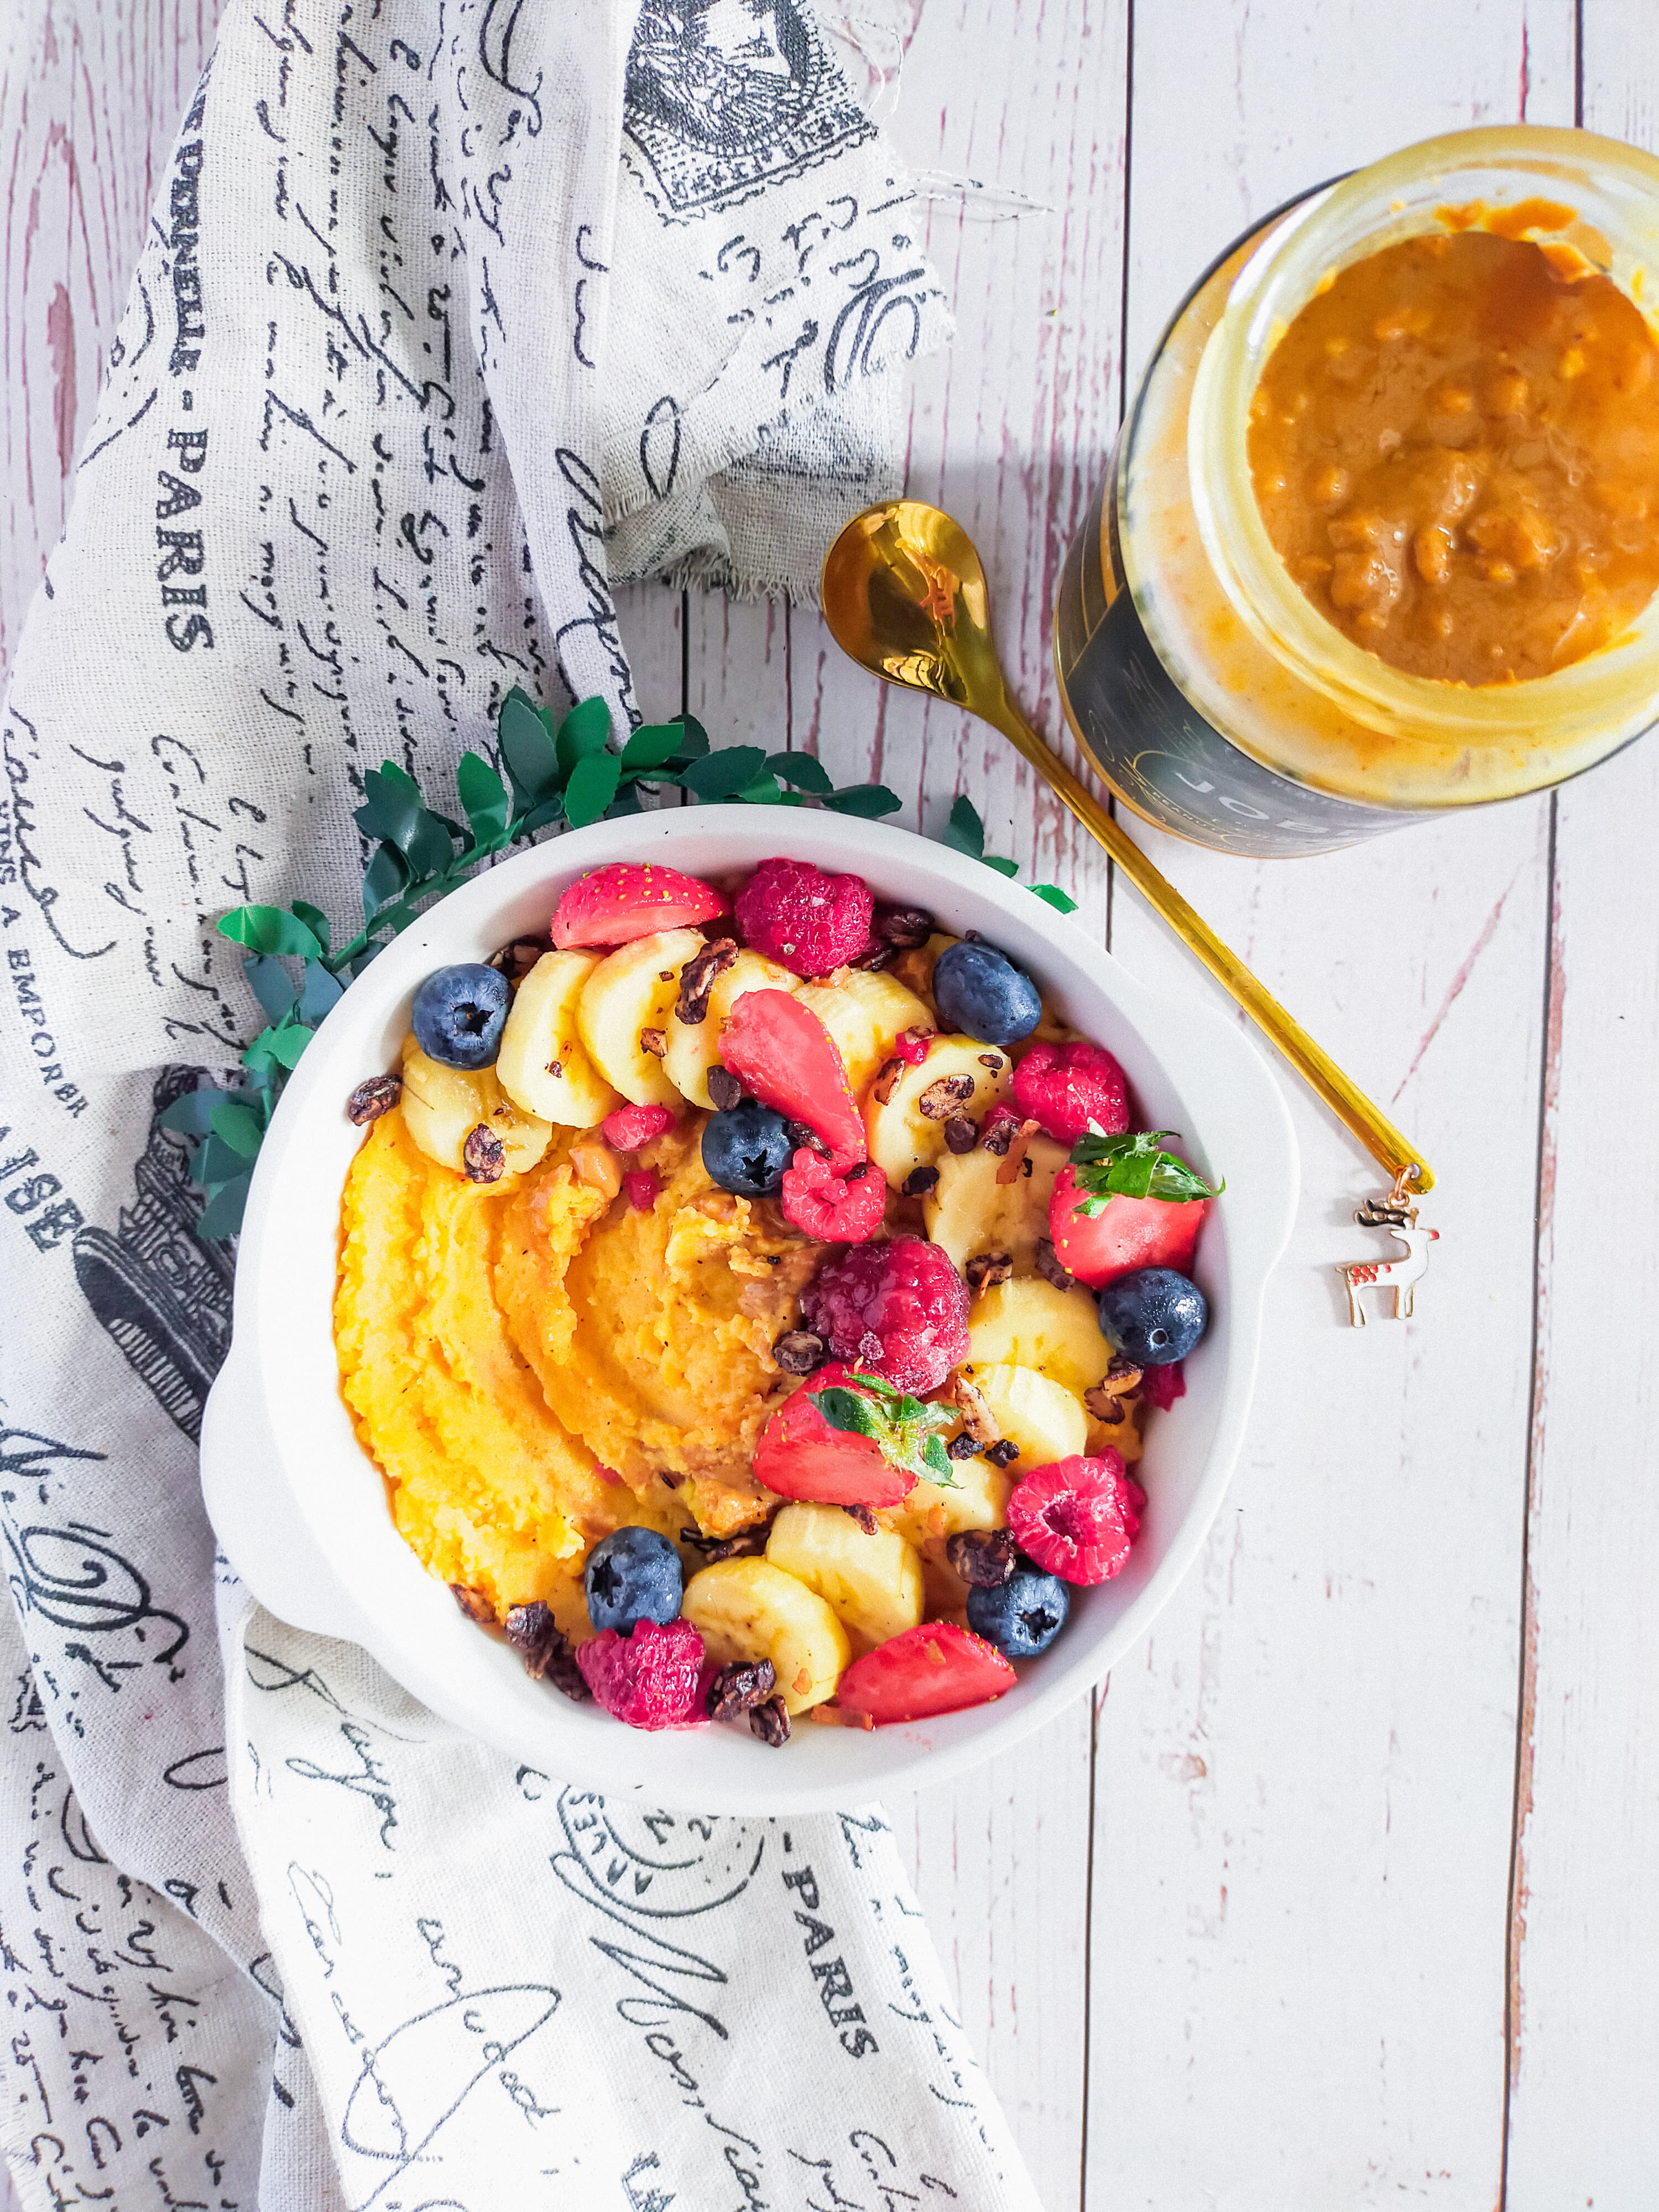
(1597, 702)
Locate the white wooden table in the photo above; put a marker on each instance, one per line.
(1341, 1892)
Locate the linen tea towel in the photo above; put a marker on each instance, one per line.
(268, 1934)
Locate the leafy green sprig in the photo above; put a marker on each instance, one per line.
(548, 772)
(905, 1431)
(965, 833)
(1133, 1166)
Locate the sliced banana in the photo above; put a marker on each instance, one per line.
(544, 1065)
(1045, 1420)
(694, 1047)
(1029, 1324)
(871, 1583)
(906, 1130)
(979, 1501)
(864, 1013)
(629, 996)
(443, 1106)
(968, 1211)
(750, 1609)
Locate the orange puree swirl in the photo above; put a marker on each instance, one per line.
(1454, 448)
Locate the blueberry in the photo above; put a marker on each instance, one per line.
(459, 1014)
(746, 1149)
(982, 995)
(1154, 1317)
(1022, 1616)
(633, 1574)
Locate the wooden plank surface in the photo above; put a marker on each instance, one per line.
(1292, 1976)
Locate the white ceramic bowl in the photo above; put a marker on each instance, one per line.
(301, 1511)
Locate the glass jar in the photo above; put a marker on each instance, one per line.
(1216, 699)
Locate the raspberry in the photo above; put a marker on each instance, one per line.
(899, 1310)
(795, 914)
(1077, 1517)
(1067, 1086)
(834, 1210)
(642, 1187)
(1162, 1386)
(913, 1046)
(630, 1127)
(649, 1678)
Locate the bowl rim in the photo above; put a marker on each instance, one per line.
(280, 1531)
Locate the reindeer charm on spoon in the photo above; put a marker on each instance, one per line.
(1398, 1215)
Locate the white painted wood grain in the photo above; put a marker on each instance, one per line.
(1584, 2115)
(1303, 1782)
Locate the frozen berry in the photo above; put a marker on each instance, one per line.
(632, 1574)
(1162, 1386)
(799, 1454)
(630, 1127)
(746, 1151)
(1154, 1317)
(780, 1051)
(807, 920)
(982, 995)
(642, 1187)
(614, 905)
(1077, 1517)
(897, 1310)
(834, 1209)
(459, 1013)
(1068, 1087)
(1022, 1616)
(936, 1668)
(1127, 1233)
(650, 1679)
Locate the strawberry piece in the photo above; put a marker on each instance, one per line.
(614, 905)
(936, 1668)
(1068, 1087)
(913, 1046)
(642, 1187)
(649, 1678)
(630, 1127)
(834, 1209)
(780, 1051)
(1077, 1517)
(799, 1454)
(1131, 1233)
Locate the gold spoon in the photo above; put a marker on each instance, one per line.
(904, 596)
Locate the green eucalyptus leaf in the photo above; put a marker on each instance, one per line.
(866, 801)
(270, 984)
(392, 808)
(216, 1162)
(236, 1126)
(1002, 867)
(190, 1115)
(627, 801)
(269, 929)
(384, 878)
(484, 800)
(526, 749)
(723, 775)
(1052, 895)
(317, 992)
(694, 738)
(592, 788)
(653, 745)
(964, 832)
(584, 732)
(430, 847)
(804, 771)
(313, 918)
(222, 1217)
(288, 1042)
(766, 791)
(550, 810)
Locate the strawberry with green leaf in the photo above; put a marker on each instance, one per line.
(851, 1439)
(1123, 1203)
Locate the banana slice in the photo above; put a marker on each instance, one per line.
(543, 1067)
(968, 1211)
(750, 1609)
(694, 1047)
(865, 1014)
(1029, 1324)
(873, 1583)
(915, 969)
(443, 1106)
(630, 995)
(931, 1512)
(1047, 1421)
(906, 1130)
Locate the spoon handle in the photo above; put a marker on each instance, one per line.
(1385, 1143)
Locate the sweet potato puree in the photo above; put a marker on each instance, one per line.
(532, 1364)
(1454, 448)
